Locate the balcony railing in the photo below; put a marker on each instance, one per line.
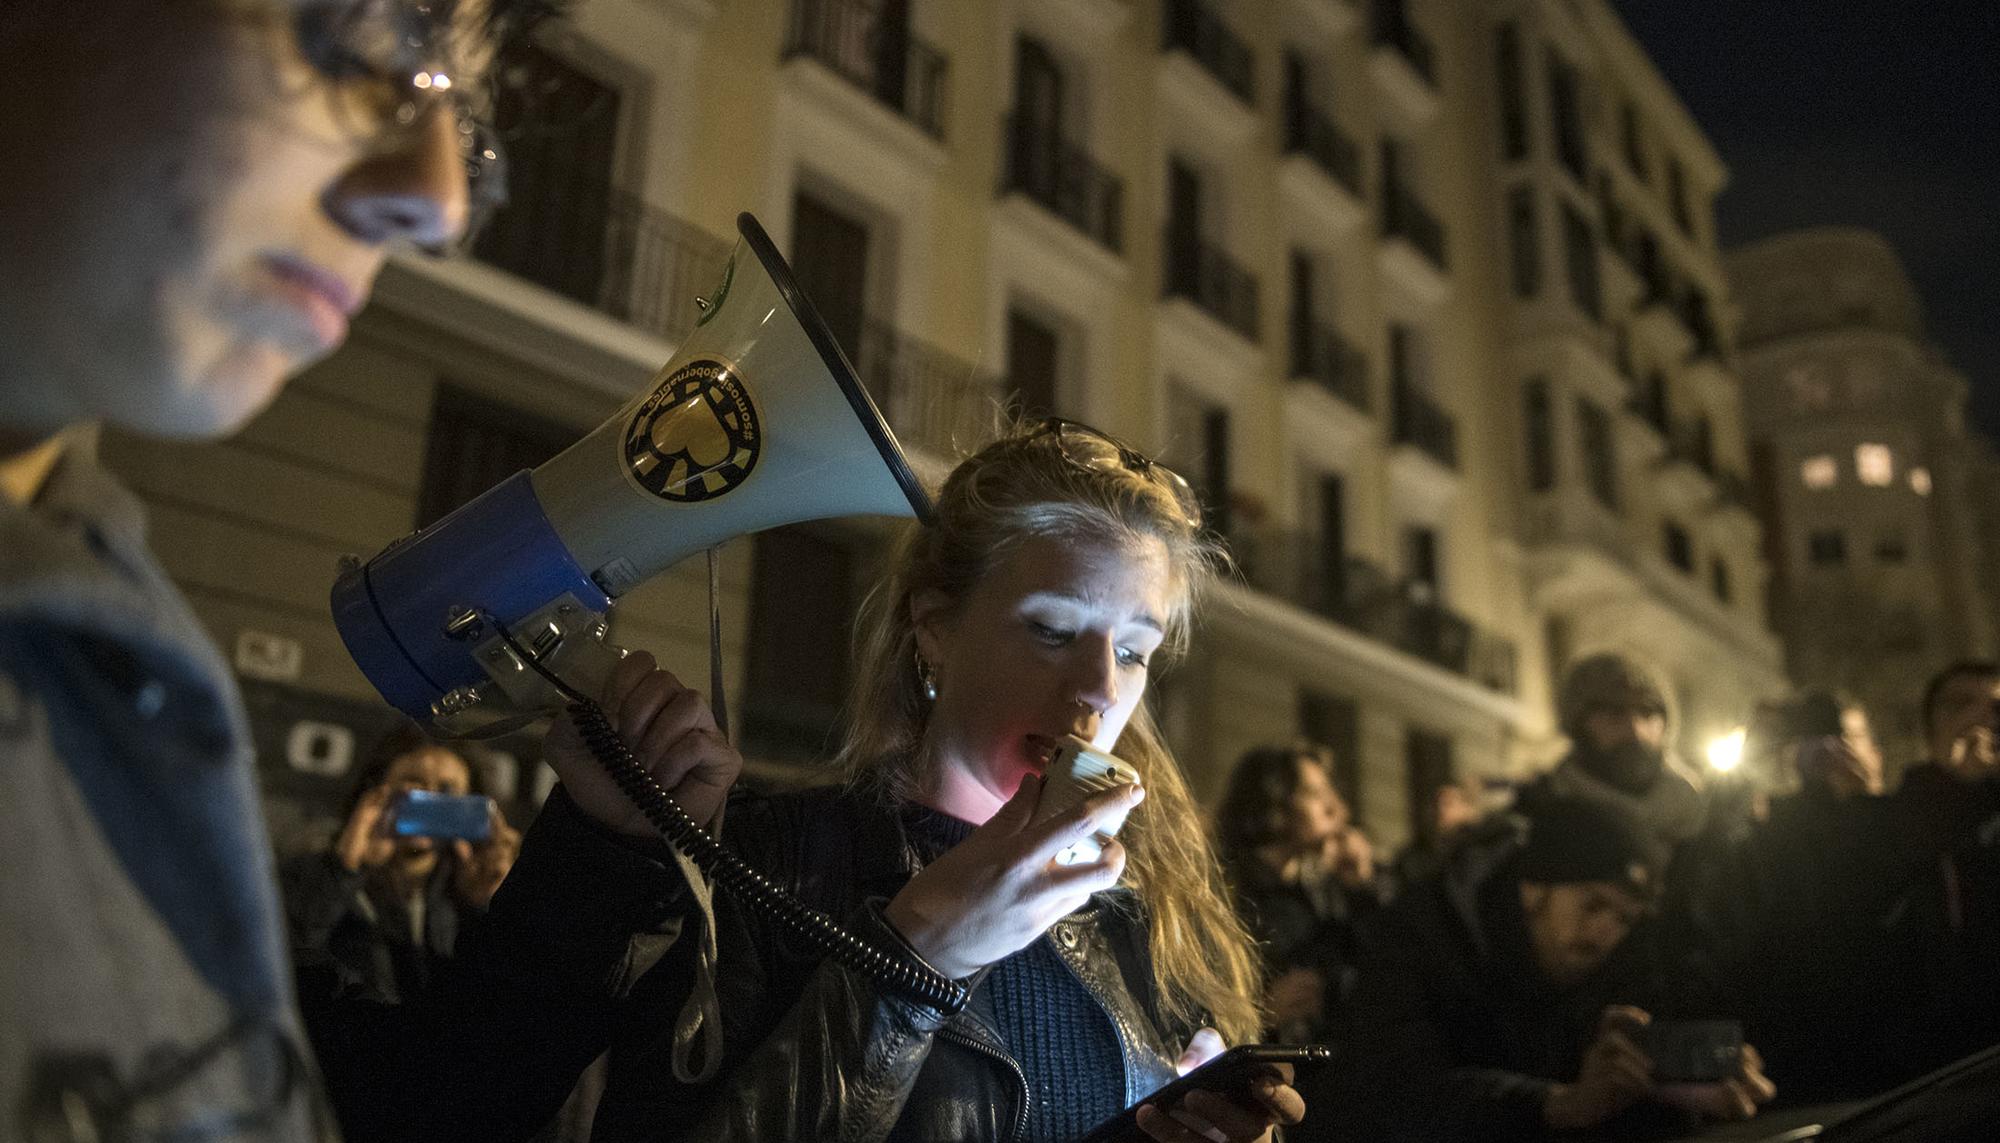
(1406, 218)
(1692, 443)
(1309, 132)
(1649, 403)
(1391, 27)
(1067, 181)
(1303, 570)
(934, 400)
(1204, 275)
(607, 250)
(1419, 422)
(861, 43)
(1189, 25)
(1700, 322)
(1321, 355)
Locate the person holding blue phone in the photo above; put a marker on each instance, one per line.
(382, 906)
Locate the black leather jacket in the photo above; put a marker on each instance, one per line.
(812, 1051)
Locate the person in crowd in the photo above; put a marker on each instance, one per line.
(378, 913)
(199, 195)
(1504, 999)
(1615, 713)
(1833, 749)
(1304, 876)
(1059, 569)
(1453, 816)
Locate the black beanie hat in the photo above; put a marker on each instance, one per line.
(1573, 840)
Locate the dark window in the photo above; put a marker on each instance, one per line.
(1600, 456)
(1892, 548)
(1332, 540)
(1033, 352)
(1635, 147)
(1420, 553)
(562, 136)
(1513, 91)
(1718, 580)
(830, 259)
(1677, 197)
(1428, 762)
(475, 443)
(802, 606)
(1215, 469)
(1038, 112)
(1541, 433)
(1566, 115)
(1524, 241)
(1335, 723)
(1680, 549)
(1580, 251)
(1829, 547)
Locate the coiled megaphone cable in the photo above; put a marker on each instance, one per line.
(750, 888)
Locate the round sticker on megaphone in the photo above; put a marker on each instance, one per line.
(696, 437)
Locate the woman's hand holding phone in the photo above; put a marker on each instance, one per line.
(997, 891)
(672, 735)
(1238, 1099)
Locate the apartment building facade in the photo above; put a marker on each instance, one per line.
(1268, 240)
(1879, 497)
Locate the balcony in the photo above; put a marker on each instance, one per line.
(1403, 63)
(1419, 422)
(1189, 26)
(1206, 276)
(1413, 248)
(936, 401)
(1066, 181)
(607, 250)
(856, 41)
(1303, 570)
(1323, 358)
(1687, 470)
(1309, 132)
(1320, 175)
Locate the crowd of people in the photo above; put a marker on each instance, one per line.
(201, 194)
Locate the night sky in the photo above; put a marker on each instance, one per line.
(1882, 115)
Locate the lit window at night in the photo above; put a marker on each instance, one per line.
(1819, 472)
(1920, 481)
(1874, 465)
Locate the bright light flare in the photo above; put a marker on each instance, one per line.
(1726, 752)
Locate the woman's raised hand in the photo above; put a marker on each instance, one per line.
(672, 735)
(991, 895)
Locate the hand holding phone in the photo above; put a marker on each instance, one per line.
(1692, 1051)
(447, 817)
(1234, 1075)
(1075, 771)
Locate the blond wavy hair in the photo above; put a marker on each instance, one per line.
(1068, 485)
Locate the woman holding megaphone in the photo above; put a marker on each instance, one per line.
(1061, 567)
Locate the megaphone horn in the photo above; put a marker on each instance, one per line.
(757, 421)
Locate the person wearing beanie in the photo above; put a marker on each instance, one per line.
(1503, 999)
(1618, 720)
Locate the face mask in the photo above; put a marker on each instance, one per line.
(1631, 766)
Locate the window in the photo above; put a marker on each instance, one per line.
(1033, 349)
(1819, 472)
(1524, 241)
(475, 443)
(830, 259)
(1677, 197)
(1566, 114)
(1330, 494)
(1335, 723)
(1541, 435)
(1600, 457)
(1920, 481)
(1635, 148)
(1580, 251)
(1718, 580)
(1420, 552)
(1198, 448)
(1874, 465)
(1680, 549)
(802, 607)
(1828, 547)
(1891, 548)
(1513, 91)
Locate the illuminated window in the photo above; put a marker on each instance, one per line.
(1874, 465)
(1920, 481)
(1819, 471)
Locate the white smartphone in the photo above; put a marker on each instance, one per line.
(1077, 770)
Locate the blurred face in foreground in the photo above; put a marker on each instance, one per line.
(1574, 928)
(200, 194)
(1053, 640)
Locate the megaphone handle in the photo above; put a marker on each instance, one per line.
(716, 704)
(752, 889)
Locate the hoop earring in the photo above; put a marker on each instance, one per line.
(927, 679)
